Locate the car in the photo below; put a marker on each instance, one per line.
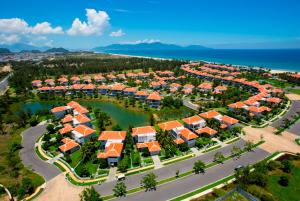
(120, 177)
(239, 167)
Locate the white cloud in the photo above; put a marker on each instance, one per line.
(45, 28)
(9, 39)
(20, 26)
(96, 23)
(142, 41)
(118, 33)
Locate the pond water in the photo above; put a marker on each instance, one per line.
(122, 116)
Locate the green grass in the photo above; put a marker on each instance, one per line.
(75, 157)
(39, 154)
(140, 171)
(187, 195)
(232, 141)
(295, 91)
(178, 160)
(59, 167)
(212, 148)
(297, 141)
(289, 193)
(36, 195)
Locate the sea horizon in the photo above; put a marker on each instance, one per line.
(274, 59)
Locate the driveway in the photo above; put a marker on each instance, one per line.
(193, 182)
(167, 171)
(30, 158)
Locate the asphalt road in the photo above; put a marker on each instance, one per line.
(167, 171)
(4, 84)
(295, 107)
(193, 182)
(30, 158)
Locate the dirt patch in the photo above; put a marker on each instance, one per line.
(6, 68)
(58, 189)
(293, 96)
(284, 142)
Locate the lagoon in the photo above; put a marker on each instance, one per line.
(122, 116)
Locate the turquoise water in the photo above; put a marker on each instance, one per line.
(287, 59)
(122, 116)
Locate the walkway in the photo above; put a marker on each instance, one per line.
(112, 174)
(190, 105)
(196, 151)
(53, 160)
(30, 158)
(157, 162)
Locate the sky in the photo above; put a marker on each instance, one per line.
(84, 24)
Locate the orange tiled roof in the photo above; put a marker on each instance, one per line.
(68, 144)
(205, 86)
(66, 129)
(210, 114)
(170, 125)
(274, 100)
(178, 141)
(154, 96)
(73, 104)
(207, 130)
(67, 118)
(187, 134)
(192, 119)
(81, 118)
(130, 89)
(141, 93)
(84, 130)
(112, 135)
(237, 105)
(59, 109)
(229, 120)
(89, 87)
(81, 109)
(143, 130)
(113, 150)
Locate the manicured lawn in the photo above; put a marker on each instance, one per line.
(236, 196)
(75, 157)
(289, 193)
(295, 91)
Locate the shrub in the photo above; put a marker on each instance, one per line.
(272, 165)
(284, 180)
(287, 166)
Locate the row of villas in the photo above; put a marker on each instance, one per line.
(87, 79)
(77, 130)
(263, 93)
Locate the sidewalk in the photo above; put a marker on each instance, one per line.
(112, 174)
(157, 162)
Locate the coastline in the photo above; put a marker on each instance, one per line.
(272, 71)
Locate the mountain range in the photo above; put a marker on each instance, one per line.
(148, 46)
(21, 47)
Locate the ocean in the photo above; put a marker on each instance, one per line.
(284, 59)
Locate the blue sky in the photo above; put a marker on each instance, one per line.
(213, 23)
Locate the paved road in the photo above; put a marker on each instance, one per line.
(295, 107)
(30, 158)
(167, 171)
(193, 182)
(295, 128)
(190, 105)
(4, 84)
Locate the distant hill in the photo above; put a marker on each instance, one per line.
(4, 51)
(57, 50)
(17, 47)
(30, 51)
(148, 46)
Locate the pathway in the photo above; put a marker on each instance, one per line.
(54, 159)
(112, 174)
(157, 162)
(196, 151)
(190, 105)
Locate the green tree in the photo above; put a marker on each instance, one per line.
(149, 181)
(50, 128)
(199, 167)
(219, 157)
(88, 149)
(236, 151)
(90, 194)
(249, 146)
(287, 166)
(120, 189)
(123, 165)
